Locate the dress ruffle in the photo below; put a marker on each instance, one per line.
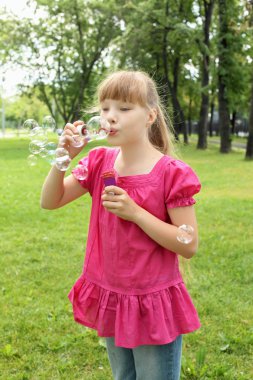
(134, 320)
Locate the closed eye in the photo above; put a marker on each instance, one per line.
(125, 109)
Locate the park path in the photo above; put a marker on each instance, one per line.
(217, 142)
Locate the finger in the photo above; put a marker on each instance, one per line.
(110, 197)
(78, 122)
(70, 127)
(67, 132)
(114, 189)
(65, 140)
(110, 205)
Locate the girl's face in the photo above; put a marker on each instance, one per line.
(129, 122)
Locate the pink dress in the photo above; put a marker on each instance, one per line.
(131, 287)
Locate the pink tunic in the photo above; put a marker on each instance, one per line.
(131, 287)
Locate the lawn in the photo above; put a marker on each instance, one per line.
(42, 256)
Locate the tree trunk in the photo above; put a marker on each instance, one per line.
(224, 119)
(211, 120)
(232, 121)
(190, 116)
(178, 115)
(249, 149)
(203, 116)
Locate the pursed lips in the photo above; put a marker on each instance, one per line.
(113, 131)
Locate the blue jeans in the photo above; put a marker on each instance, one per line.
(151, 362)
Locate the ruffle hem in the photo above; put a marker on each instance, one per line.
(134, 320)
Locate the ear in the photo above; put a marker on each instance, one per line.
(152, 115)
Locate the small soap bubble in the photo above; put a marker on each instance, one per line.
(30, 124)
(49, 123)
(36, 146)
(62, 159)
(63, 163)
(50, 149)
(37, 134)
(32, 160)
(59, 131)
(43, 153)
(185, 233)
(78, 141)
(81, 172)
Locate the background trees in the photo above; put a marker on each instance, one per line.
(199, 52)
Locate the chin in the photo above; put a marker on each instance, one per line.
(112, 141)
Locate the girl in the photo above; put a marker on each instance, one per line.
(131, 290)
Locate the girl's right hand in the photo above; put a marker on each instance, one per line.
(67, 139)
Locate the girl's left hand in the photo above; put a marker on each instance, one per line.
(118, 202)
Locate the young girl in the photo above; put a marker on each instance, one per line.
(131, 290)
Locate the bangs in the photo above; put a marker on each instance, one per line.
(126, 86)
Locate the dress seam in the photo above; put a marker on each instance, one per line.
(133, 292)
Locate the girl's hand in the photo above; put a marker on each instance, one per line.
(118, 202)
(68, 136)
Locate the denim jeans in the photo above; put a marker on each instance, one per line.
(151, 362)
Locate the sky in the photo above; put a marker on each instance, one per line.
(13, 77)
(18, 7)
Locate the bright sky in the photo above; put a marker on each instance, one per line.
(13, 77)
(18, 7)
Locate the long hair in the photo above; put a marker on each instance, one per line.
(137, 87)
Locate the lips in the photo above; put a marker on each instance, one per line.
(113, 132)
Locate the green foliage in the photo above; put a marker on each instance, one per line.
(75, 43)
(18, 109)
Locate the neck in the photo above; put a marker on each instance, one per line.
(133, 153)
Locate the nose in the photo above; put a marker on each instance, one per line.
(111, 116)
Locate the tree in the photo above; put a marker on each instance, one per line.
(224, 52)
(204, 48)
(161, 47)
(64, 48)
(249, 148)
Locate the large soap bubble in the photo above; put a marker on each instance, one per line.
(96, 128)
(185, 233)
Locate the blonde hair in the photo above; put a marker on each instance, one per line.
(137, 87)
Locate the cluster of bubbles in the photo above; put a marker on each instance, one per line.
(54, 153)
(39, 145)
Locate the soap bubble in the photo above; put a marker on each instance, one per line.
(32, 160)
(50, 149)
(59, 131)
(36, 146)
(38, 134)
(78, 141)
(62, 159)
(30, 124)
(49, 123)
(185, 233)
(81, 172)
(43, 153)
(96, 128)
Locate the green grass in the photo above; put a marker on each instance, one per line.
(42, 256)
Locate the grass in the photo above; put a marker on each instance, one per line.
(42, 256)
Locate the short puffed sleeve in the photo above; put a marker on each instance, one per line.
(86, 171)
(181, 183)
